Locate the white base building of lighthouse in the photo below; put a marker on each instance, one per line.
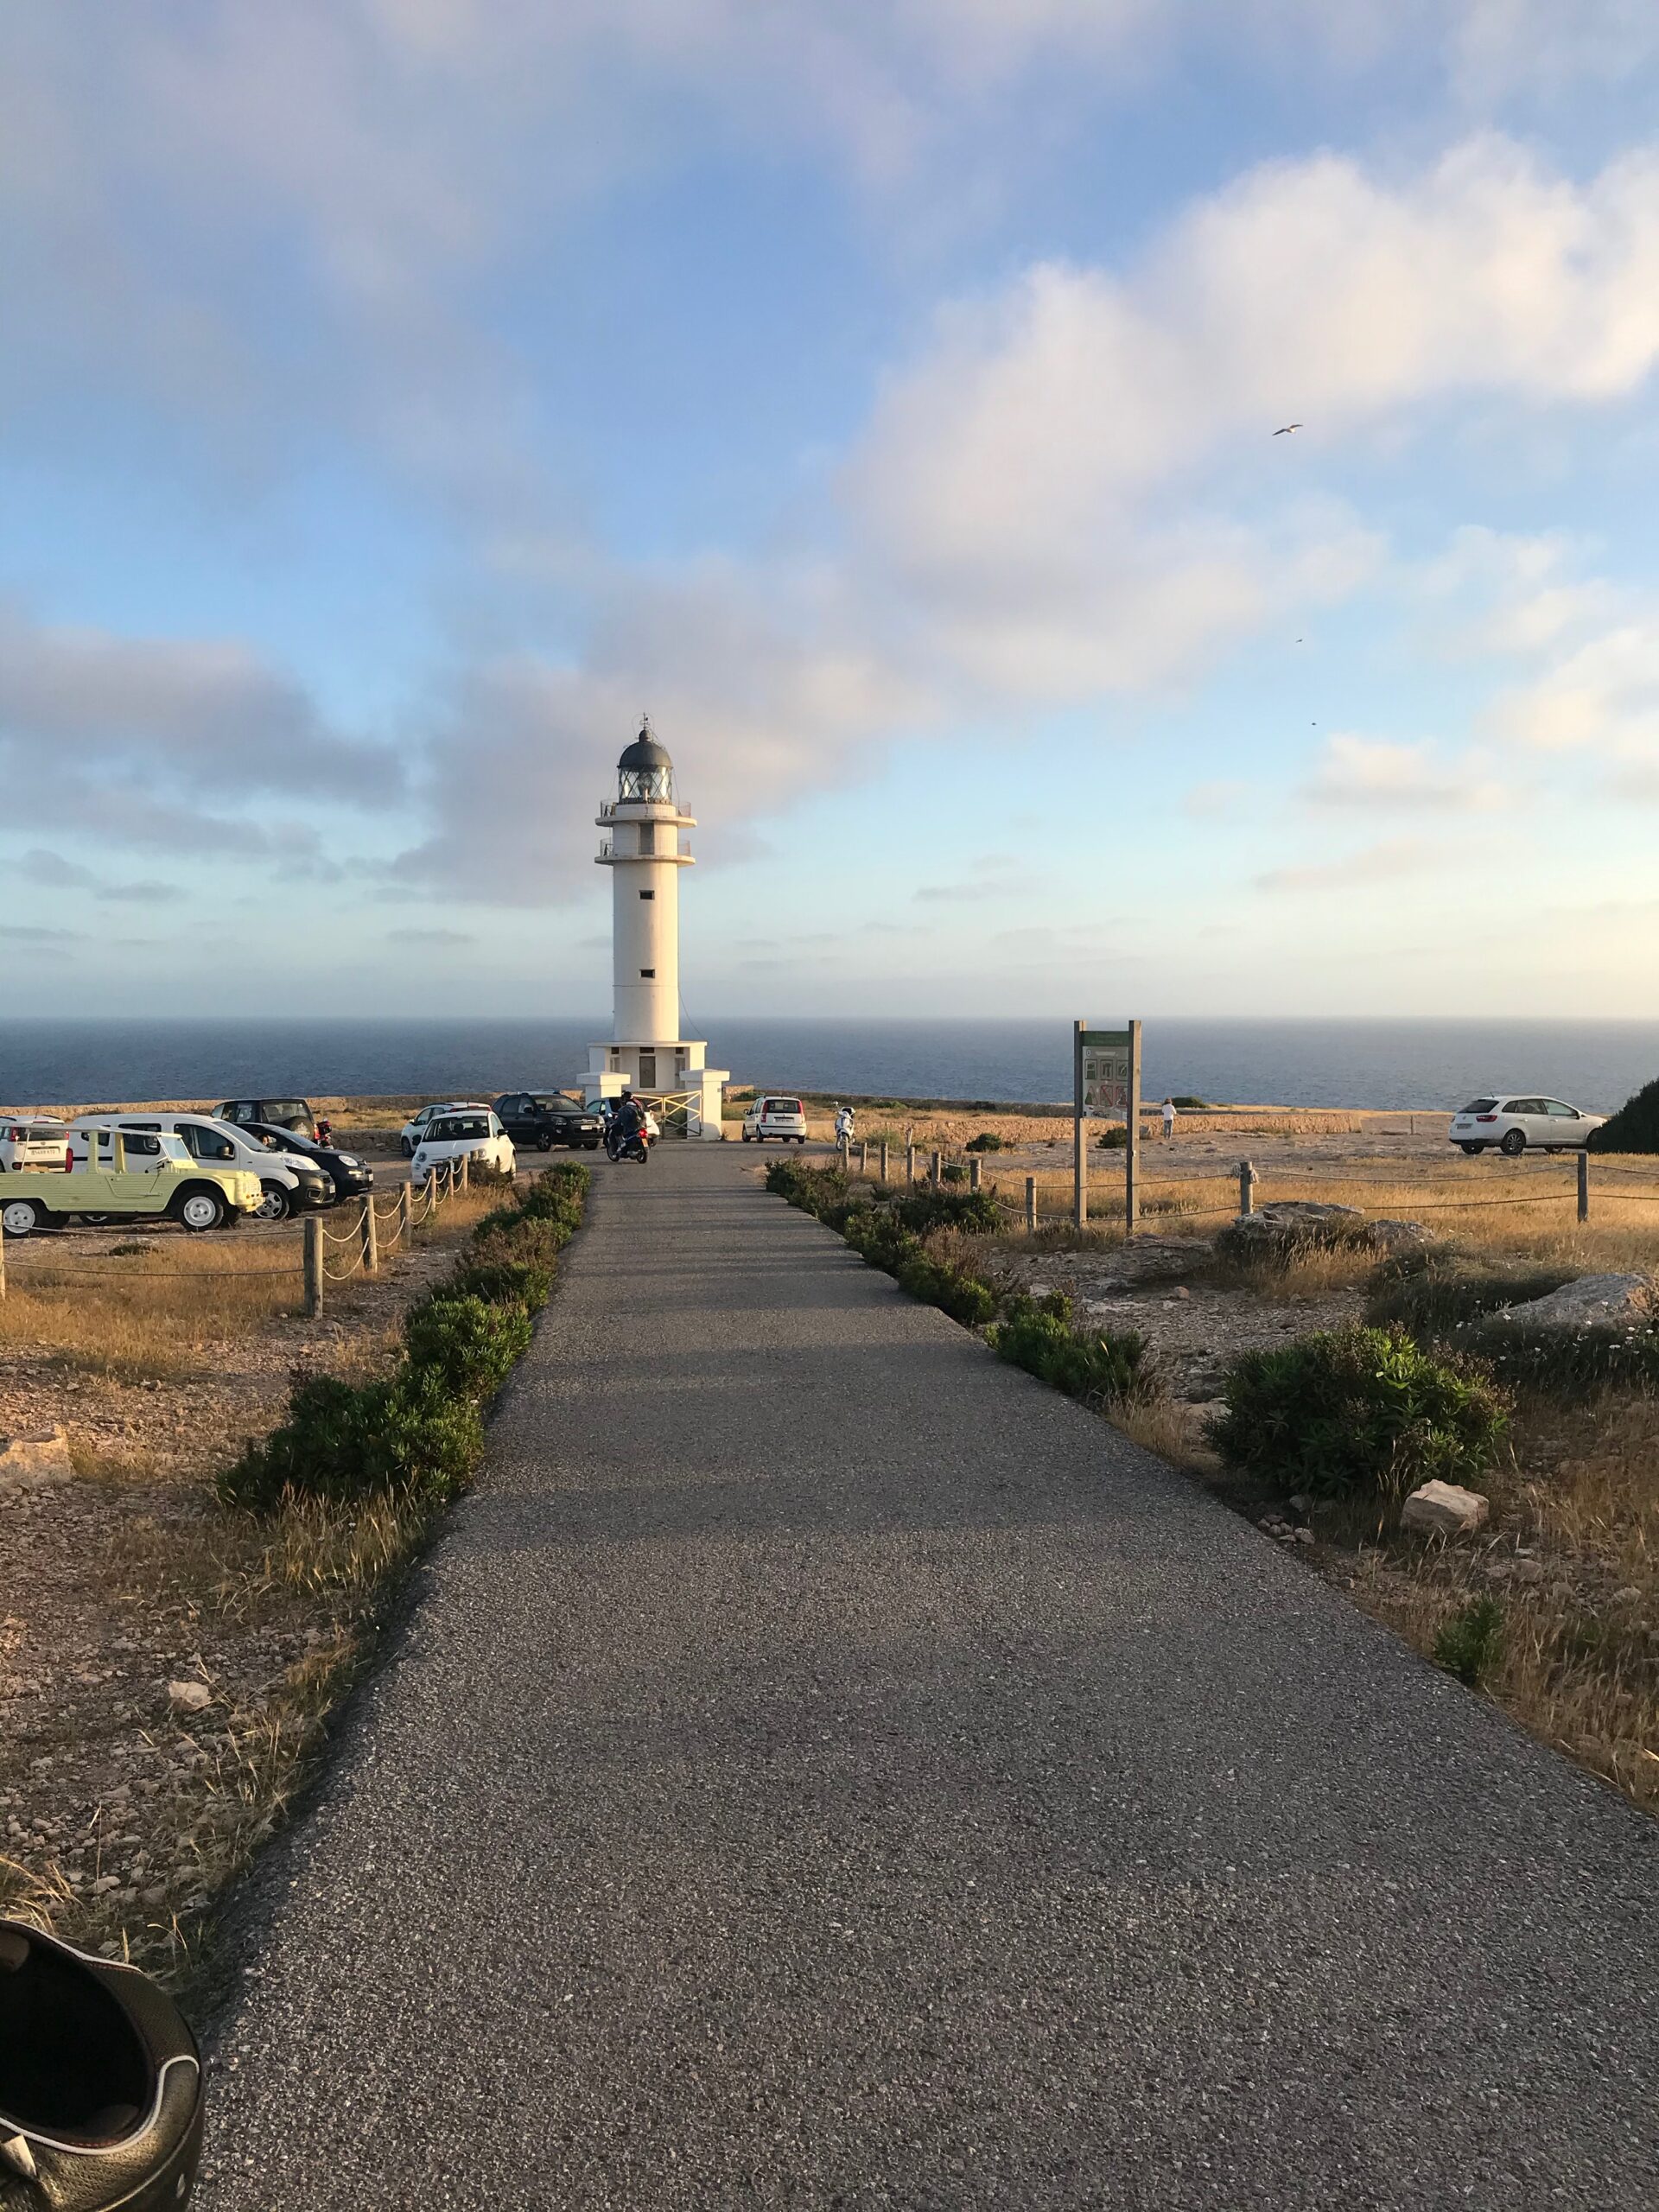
(642, 847)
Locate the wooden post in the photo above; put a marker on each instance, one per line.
(371, 1236)
(1246, 1187)
(881, 1159)
(1079, 1138)
(466, 1170)
(1132, 1154)
(3, 1261)
(863, 1155)
(1031, 1204)
(936, 1169)
(1584, 1186)
(405, 1213)
(975, 1170)
(910, 1163)
(313, 1266)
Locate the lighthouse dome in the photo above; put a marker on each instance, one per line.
(644, 771)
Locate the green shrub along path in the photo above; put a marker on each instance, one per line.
(825, 1764)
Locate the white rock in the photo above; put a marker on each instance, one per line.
(189, 1697)
(1591, 1302)
(1441, 1509)
(36, 1456)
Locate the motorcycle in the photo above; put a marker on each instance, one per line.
(635, 1145)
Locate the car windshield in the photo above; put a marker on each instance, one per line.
(171, 1147)
(1479, 1106)
(286, 1109)
(459, 1126)
(782, 1106)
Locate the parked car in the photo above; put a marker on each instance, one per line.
(417, 1124)
(530, 1120)
(1515, 1121)
(143, 1174)
(782, 1118)
(350, 1175)
(33, 1140)
(474, 1131)
(276, 1113)
(290, 1184)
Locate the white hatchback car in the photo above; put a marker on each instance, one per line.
(782, 1118)
(474, 1131)
(33, 1140)
(415, 1129)
(1516, 1121)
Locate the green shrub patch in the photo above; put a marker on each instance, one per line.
(987, 1141)
(419, 1431)
(1101, 1366)
(470, 1345)
(1634, 1128)
(1470, 1644)
(1358, 1410)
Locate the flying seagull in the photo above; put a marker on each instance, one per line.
(1287, 430)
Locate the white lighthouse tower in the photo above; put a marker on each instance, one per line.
(641, 847)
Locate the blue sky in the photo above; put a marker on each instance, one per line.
(399, 395)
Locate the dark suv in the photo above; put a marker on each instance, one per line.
(281, 1113)
(546, 1121)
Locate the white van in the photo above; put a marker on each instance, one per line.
(291, 1184)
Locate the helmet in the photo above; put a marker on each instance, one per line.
(626, 1092)
(100, 2082)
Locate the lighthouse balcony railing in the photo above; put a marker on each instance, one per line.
(607, 852)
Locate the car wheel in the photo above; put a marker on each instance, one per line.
(199, 1209)
(545, 1142)
(408, 1148)
(276, 1205)
(1471, 1149)
(1514, 1142)
(22, 1217)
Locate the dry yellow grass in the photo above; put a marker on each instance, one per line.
(147, 1312)
(1580, 1663)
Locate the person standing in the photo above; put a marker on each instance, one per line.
(1169, 1120)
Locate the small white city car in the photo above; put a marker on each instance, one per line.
(782, 1118)
(1517, 1123)
(475, 1131)
(33, 1140)
(415, 1127)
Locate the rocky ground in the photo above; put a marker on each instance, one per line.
(1167, 1289)
(162, 1663)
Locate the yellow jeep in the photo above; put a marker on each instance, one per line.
(147, 1177)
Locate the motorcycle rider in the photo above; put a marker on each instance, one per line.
(627, 1123)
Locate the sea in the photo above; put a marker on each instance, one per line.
(1390, 1064)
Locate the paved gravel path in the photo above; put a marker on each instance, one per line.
(826, 1768)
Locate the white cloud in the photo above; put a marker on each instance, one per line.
(1373, 774)
(1039, 483)
(1383, 863)
(203, 710)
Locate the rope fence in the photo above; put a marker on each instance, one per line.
(930, 1171)
(372, 1227)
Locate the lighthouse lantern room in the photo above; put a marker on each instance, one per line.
(641, 847)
